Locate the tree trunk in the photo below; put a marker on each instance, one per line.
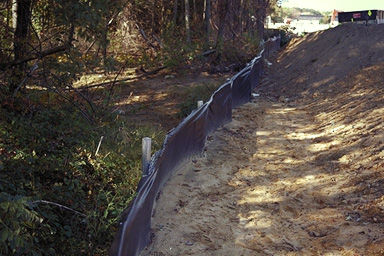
(163, 15)
(21, 12)
(207, 18)
(22, 23)
(250, 21)
(241, 23)
(187, 22)
(153, 17)
(104, 44)
(14, 15)
(174, 17)
(223, 11)
(261, 16)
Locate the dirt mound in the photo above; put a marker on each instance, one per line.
(300, 169)
(319, 59)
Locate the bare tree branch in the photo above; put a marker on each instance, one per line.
(35, 56)
(33, 68)
(75, 89)
(39, 55)
(86, 115)
(58, 205)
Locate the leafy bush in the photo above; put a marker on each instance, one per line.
(58, 196)
(18, 220)
(286, 34)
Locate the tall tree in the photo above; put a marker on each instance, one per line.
(14, 14)
(21, 18)
(23, 14)
(187, 22)
(223, 13)
(207, 19)
(174, 15)
(261, 14)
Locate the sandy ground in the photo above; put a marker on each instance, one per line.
(299, 170)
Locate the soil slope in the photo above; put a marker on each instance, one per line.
(300, 169)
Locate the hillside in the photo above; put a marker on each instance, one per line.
(310, 64)
(299, 170)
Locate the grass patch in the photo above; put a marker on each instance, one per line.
(193, 95)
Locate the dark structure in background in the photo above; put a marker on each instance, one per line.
(182, 143)
(370, 16)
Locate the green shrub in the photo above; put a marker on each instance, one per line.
(58, 196)
(286, 35)
(18, 221)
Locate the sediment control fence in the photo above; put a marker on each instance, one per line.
(183, 142)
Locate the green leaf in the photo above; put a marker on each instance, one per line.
(4, 235)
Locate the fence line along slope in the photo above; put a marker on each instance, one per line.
(299, 171)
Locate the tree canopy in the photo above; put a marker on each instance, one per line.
(35, 29)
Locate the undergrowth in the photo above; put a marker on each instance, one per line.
(58, 195)
(193, 95)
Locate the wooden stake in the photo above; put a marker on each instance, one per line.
(146, 157)
(98, 146)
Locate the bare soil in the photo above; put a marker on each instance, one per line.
(300, 169)
(154, 100)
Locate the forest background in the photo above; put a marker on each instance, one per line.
(69, 157)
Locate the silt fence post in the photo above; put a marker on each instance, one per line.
(146, 157)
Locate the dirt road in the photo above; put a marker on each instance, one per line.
(299, 170)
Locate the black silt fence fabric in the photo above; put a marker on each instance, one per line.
(186, 140)
(219, 108)
(182, 143)
(256, 71)
(241, 87)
